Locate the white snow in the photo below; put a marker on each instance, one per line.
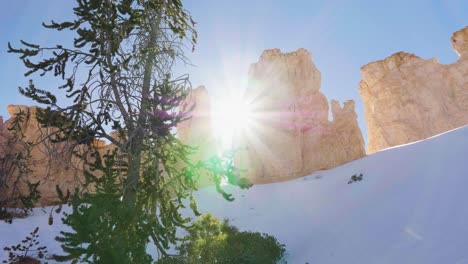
(410, 207)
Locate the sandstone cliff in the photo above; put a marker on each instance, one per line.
(407, 98)
(291, 135)
(460, 42)
(49, 163)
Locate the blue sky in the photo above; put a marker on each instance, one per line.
(342, 36)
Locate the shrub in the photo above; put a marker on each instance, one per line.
(20, 253)
(213, 241)
(355, 178)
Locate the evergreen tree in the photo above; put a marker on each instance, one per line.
(118, 75)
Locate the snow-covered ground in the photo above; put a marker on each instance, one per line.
(410, 207)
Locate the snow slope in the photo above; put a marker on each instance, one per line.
(410, 207)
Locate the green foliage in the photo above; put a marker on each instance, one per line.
(32, 197)
(27, 201)
(104, 229)
(254, 247)
(211, 241)
(21, 252)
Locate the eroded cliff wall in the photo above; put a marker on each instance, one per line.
(407, 98)
(291, 135)
(51, 164)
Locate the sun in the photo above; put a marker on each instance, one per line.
(231, 117)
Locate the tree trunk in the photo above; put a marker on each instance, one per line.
(134, 159)
(133, 172)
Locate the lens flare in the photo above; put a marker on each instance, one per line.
(231, 116)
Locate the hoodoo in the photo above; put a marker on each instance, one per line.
(291, 135)
(407, 98)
